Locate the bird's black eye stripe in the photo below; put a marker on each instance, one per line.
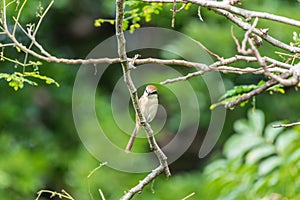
(154, 92)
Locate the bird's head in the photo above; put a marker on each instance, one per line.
(151, 90)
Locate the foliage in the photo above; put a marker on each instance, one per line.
(135, 12)
(296, 39)
(40, 149)
(238, 91)
(29, 68)
(259, 162)
(288, 57)
(16, 80)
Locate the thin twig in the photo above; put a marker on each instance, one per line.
(249, 95)
(138, 188)
(293, 81)
(263, 34)
(33, 41)
(173, 13)
(90, 175)
(247, 14)
(286, 125)
(188, 196)
(18, 16)
(175, 10)
(207, 50)
(61, 195)
(182, 78)
(255, 92)
(101, 194)
(199, 13)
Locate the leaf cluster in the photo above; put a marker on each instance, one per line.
(259, 162)
(296, 39)
(16, 80)
(135, 13)
(24, 69)
(238, 91)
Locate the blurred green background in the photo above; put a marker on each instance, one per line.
(40, 148)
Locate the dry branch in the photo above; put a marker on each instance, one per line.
(133, 93)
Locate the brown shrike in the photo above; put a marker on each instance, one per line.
(148, 104)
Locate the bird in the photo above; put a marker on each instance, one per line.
(148, 103)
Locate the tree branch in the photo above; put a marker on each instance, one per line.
(133, 93)
(260, 32)
(247, 14)
(231, 12)
(286, 125)
(139, 187)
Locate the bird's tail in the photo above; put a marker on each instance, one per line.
(132, 138)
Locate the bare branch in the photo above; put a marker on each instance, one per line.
(255, 92)
(174, 13)
(7, 45)
(18, 17)
(286, 125)
(293, 81)
(182, 78)
(188, 196)
(133, 93)
(33, 41)
(231, 12)
(247, 14)
(251, 94)
(175, 10)
(207, 50)
(262, 33)
(139, 187)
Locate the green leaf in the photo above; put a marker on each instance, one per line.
(258, 153)
(272, 133)
(294, 157)
(48, 80)
(225, 101)
(112, 22)
(18, 49)
(125, 24)
(268, 165)
(239, 144)
(284, 141)
(238, 90)
(242, 126)
(277, 88)
(17, 79)
(256, 163)
(257, 120)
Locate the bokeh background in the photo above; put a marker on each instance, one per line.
(40, 148)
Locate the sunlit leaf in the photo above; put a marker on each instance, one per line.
(272, 133)
(242, 126)
(257, 120)
(284, 141)
(48, 80)
(294, 157)
(238, 90)
(238, 144)
(259, 153)
(268, 165)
